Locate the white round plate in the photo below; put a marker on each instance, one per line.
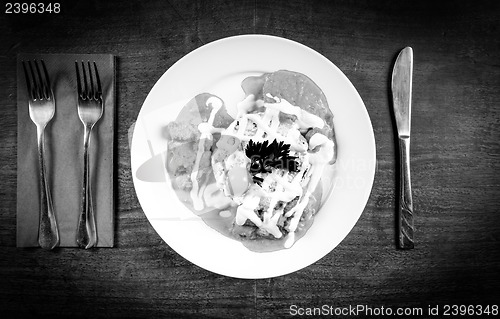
(218, 68)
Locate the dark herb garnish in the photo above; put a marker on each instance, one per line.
(264, 157)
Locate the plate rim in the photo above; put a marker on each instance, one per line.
(255, 37)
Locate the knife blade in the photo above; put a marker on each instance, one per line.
(401, 94)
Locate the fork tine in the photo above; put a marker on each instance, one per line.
(40, 83)
(34, 87)
(99, 89)
(78, 81)
(85, 93)
(48, 90)
(91, 80)
(28, 80)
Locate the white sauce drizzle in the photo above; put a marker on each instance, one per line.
(268, 123)
(246, 209)
(214, 197)
(304, 118)
(318, 161)
(206, 130)
(267, 129)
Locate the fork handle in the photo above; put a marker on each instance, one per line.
(86, 234)
(405, 210)
(48, 234)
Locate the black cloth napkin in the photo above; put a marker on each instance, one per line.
(64, 153)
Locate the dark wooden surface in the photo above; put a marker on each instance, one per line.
(455, 159)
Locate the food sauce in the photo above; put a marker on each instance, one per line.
(220, 212)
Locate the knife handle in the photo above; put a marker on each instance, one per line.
(405, 209)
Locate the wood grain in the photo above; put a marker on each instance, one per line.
(455, 159)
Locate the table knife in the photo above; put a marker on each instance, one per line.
(401, 95)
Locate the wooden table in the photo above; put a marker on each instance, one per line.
(455, 160)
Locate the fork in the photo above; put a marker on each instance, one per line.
(90, 108)
(41, 109)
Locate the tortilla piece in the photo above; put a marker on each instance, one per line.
(301, 91)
